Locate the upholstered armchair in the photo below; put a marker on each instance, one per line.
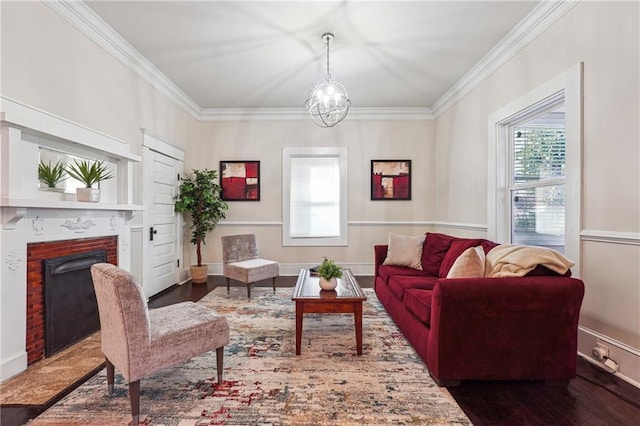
(241, 262)
(139, 341)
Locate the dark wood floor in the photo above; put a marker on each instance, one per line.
(593, 398)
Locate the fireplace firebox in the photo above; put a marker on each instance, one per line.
(71, 310)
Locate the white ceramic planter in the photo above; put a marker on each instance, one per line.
(328, 285)
(91, 195)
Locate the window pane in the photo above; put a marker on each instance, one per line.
(538, 153)
(315, 197)
(538, 216)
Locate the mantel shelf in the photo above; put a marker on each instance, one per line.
(17, 202)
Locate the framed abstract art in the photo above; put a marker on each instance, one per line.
(391, 179)
(240, 180)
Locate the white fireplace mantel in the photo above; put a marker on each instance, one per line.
(28, 214)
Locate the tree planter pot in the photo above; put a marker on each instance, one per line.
(198, 274)
(91, 195)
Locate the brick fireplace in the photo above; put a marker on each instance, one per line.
(36, 254)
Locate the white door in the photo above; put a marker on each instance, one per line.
(161, 224)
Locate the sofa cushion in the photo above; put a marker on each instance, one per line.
(470, 264)
(455, 250)
(418, 302)
(387, 271)
(405, 251)
(399, 285)
(435, 248)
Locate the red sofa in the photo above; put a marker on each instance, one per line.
(515, 328)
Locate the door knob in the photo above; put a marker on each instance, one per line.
(152, 232)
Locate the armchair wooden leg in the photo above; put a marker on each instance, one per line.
(134, 397)
(110, 375)
(227, 285)
(249, 290)
(219, 362)
(274, 285)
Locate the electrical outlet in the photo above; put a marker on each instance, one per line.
(600, 352)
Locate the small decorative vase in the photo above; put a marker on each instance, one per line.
(328, 284)
(198, 274)
(91, 195)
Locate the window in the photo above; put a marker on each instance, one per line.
(315, 196)
(537, 181)
(534, 167)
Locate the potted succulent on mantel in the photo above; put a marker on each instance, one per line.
(89, 173)
(199, 196)
(51, 175)
(329, 273)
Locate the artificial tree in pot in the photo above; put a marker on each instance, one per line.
(199, 197)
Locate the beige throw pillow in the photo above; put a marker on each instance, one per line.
(405, 251)
(470, 264)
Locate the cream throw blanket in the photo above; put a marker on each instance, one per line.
(508, 260)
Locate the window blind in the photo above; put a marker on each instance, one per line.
(538, 154)
(315, 197)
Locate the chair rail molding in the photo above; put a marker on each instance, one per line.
(611, 237)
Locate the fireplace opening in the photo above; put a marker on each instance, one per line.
(71, 309)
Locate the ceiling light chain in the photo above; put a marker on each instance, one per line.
(328, 102)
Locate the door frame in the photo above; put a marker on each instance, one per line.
(155, 143)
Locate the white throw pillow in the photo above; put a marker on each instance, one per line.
(405, 251)
(470, 264)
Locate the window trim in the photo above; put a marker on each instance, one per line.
(567, 85)
(287, 155)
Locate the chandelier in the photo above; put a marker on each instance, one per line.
(328, 102)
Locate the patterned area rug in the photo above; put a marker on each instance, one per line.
(265, 383)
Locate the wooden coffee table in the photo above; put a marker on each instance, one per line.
(346, 298)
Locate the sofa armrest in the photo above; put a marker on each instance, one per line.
(505, 328)
(380, 254)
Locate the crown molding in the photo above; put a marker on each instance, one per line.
(89, 23)
(268, 114)
(86, 21)
(545, 14)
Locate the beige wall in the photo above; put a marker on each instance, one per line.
(48, 64)
(605, 36)
(364, 139)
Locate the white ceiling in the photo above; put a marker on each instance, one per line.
(267, 54)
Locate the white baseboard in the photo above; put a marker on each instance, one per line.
(13, 366)
(627, 358)
(286, 269)
(293, 269)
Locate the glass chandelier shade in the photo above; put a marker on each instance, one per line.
(328, 102)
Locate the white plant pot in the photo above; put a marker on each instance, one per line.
(91, 195)
(328, 284)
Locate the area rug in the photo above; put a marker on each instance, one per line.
(265, 383)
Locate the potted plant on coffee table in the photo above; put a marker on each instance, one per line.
(89, 173)
(199, 197)
(329, 273)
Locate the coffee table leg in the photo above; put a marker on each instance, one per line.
(299, 316)
(357, 314)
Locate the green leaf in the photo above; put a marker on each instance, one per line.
(89, 172)
(51, 175)
(199, 197)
